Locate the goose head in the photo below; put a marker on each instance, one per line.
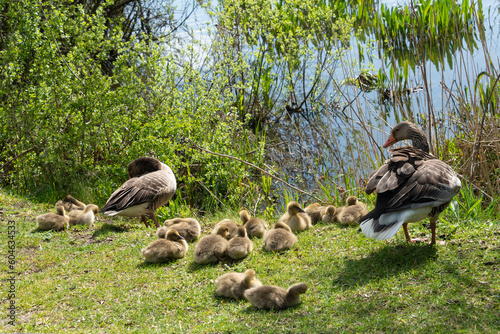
(408, 130)
(143, 165)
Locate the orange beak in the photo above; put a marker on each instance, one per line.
(391, 140)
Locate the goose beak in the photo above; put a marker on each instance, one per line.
(391, 140)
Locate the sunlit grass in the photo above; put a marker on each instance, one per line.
(96, 281)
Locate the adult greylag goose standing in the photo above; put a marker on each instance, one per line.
(151, 184)
(411, 186)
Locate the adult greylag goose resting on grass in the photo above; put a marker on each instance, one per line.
(411, 186)
(151, 184)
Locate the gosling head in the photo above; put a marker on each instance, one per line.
(242, 232)
(92, 207)
(173, 235)
(244, 216)
(223, 231)
(283, 226)
(297, 289)
(60, 210)
(352, 200)
(293, 208)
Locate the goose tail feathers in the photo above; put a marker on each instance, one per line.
(372, 229)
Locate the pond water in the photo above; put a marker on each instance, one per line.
(345, 137)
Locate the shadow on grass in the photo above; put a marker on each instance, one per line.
(253, 309)
(387, 261)
(146, 264)
(108, 228)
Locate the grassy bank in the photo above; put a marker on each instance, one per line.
(95, 281)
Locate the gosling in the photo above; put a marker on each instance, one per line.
(239, 247)
(53, 221)
(189, 228)
(84, 217)
(233, 285)
(274, 297)
(231, 226)
(213, 247)
(330, 215)
(296, 218)
(352, 213)
(161, 250)
(315, 211)
(279, 238)
(70, 203)
(256, 227)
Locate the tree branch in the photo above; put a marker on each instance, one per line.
(260, 169)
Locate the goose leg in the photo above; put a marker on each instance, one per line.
(409, 239)
(153, 218)
(433, 232)
(143, 218)
(407, 235)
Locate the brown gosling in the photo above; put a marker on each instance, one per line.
(239, 247)
(296, 218)
(189, 228)
(256, 227)
(329, 215)
(316, 212)
(352, 213)
(70, 203)
(84, 217)
(231, 225)
(279, 238)
(53, 221)
(274, 297)
(233, 285)
(160, 250)
(211, 248)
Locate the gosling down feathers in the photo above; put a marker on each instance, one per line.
(274, 297)
(296, 218)
(211, 248)
(83, 217)
(315, 211)
(70, 203)
(151, 184)
(53, 221)
(411, 185)
(160, 250)
(233, 285)
(352, 213)
(231, 225)
(240, 246)
(279, 238)
(256, 227)
(329, 215)
(189, 228)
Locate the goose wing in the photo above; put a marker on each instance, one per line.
(152, 187)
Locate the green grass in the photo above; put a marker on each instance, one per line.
(95, 281)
